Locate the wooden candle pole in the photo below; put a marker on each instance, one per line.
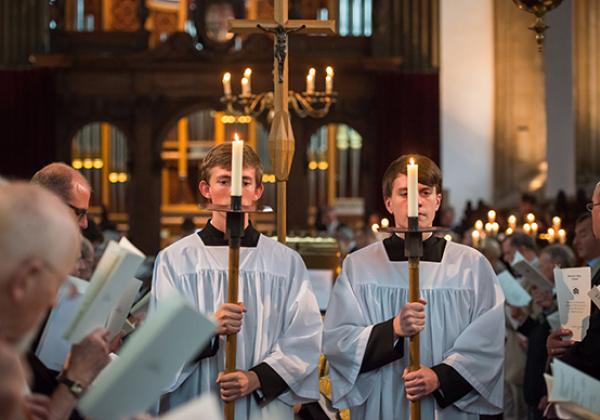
(235, 229)
(414, 250)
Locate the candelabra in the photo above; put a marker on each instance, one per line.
(310, 103)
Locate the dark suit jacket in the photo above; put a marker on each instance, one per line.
(584, 355)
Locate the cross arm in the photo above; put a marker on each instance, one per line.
(244, 26)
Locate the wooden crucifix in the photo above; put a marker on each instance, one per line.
(281, 136)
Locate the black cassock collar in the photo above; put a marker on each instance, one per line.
(433, 248)
(211, 236)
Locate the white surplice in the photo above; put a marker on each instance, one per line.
(464, 329)
(282, 326)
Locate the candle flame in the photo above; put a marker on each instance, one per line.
(411, 161)
(247, 72)
(244, 80)
(329, 71)
(312, 72)
(227, 77)
(236, 137)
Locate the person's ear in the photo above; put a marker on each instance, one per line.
(258, 192)
(388, 204)
(204, 189)
(21, 281)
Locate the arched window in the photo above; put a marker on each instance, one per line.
(99, 151)
(334, 155)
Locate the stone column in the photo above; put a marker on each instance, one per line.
(560, 112)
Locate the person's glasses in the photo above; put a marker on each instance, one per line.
(80, 213)
(590, 206)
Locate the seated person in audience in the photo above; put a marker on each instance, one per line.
(39, 242)
(582, 355)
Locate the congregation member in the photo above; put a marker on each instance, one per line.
(582, 355)
(39, 241)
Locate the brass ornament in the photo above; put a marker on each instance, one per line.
(538, 8)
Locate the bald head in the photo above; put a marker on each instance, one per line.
(39, 243)
(69, 184)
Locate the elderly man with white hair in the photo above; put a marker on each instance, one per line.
(39, 243)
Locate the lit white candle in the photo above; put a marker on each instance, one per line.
(329, 79)
(412, 172)
(562, 236)
(479, 225)
(227, 84)
(534, 228)
(245, 86)
(237, 156)
(310, 83)
(488, 228)
(512, 221)
(556, 222)
(328, 85)
(248, 75)
(475, 235)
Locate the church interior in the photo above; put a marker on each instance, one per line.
(130, 92)
(134, 93)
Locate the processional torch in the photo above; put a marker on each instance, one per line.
(413, 250)
(236, 215)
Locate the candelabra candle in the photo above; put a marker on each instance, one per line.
(245, 86)
(495, 228)
(310, 83)
(328, 85)
(556, 223)
(248, 76)
(534, 228)
(512, 221)
(530, 218)
(475, 235)
(329, 80)
(527, 228)
(227, 84)
(488, 228)
(562, 236)
(551, 235)
(479, 225)
(491, 216)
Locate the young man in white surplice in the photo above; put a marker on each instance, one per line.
(277, 321)
(460, 320)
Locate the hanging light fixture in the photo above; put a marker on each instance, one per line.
(539, 8)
